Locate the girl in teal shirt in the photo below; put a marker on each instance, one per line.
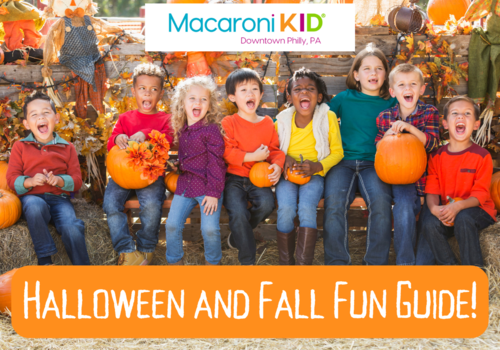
(358, 108)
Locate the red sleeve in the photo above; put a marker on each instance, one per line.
(432, 181)
(167, 129)
(232, 154)
(383, 124)
(481, 187)
(276, 155)
(15, 168)
(74, 168)
(117, 130)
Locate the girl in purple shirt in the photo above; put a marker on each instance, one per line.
(196, 124)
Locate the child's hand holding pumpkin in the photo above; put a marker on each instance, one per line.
(121, 141)
(289, 163)
(138, 137)
(275, 175)
(449, 212)
(209, 205)
(308, 168)
(400, 126)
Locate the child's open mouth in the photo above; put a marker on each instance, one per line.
(373, 81)
(460, 128)
(251, 104)
(305, 103)
(43, 128)
(146, 105)
(196, 112)
(408, 98)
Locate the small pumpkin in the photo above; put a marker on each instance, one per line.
(453, 200)
(400, 159)
(259, 174)
(171, 181)
(439, 11)
(495, 190)
(6, 290)
(10, 208)
(121, 173)
(3, 177)
(294, 177)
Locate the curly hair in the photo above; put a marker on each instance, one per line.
(179, 116)
(318, 81)
(370, 50)
(149, 69)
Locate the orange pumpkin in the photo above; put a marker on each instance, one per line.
(295, 178)
(282, 1)
(495, 190)
(171, 182)
(401, 159)
(3, 177)
(259, 174)
(125, 176)
(457, 199)
(5, 290)
(439, 11)
(10, 209)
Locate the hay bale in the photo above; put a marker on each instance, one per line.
(16, 246)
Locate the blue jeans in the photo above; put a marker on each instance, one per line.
(468, 223)
(406, 209)
(237, 193)
(151, 200)
(424, 256)
(180, 209)
(39, 210)
(341, 183)
(305, 198)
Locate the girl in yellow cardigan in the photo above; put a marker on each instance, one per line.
(310, 137)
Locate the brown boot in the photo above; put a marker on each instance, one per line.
(131, 259)
(148, 257)
(286, 247)
(306, 241)
(207, 263)
(180, 262)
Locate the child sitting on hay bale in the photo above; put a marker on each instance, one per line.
(457, 188)
(43, 169)
(136, 125)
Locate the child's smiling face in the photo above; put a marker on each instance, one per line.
(247, 97)
(196, 104)
(41, 120)
(371, 75)
(304, 96)
(407, 88)
(148, 90)
(461, 121)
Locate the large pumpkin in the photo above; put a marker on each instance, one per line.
(495, 190)
(259, 174)
(125, 176)
(171, 181)
(401, 159)
(3, 177)
(10, 209)
(439, 11)
(297, 179)
(6, 290)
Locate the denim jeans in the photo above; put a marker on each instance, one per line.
(237, 193)
(151, 199)
(424, 255)
(305, 198)
(468, 223)
(341, 183)
(39, 210)
(405, 210)
(180, 209)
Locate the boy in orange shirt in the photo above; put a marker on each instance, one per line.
(249, 139)
(460, 169)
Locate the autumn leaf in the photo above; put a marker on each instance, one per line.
(378, 20)
(3, 11)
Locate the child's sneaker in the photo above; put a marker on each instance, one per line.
(230, 241)
(134, 258)
(148, 257)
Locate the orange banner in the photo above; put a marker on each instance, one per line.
(249, 302)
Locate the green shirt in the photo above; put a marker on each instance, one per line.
(358, 113)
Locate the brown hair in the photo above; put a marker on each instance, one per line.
(405, 68)
(151, 70)
(370, 50)
(37, 95)
(477, 111)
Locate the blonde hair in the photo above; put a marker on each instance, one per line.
(405, 68)
(179, 116)
(370, 50)
(149, 69)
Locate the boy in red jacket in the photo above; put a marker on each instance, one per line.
(460, 169)
(43, 169)
(136, 125)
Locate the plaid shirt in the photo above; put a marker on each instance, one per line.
(425, 118)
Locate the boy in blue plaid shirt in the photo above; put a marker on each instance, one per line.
(417, 118)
